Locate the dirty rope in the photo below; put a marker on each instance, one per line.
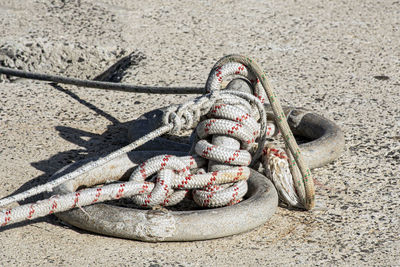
(230, 138)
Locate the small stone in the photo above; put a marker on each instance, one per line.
(382, 77)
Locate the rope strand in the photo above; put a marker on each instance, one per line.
(85, 168)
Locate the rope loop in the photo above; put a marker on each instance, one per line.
(173, 179)
(227, 136)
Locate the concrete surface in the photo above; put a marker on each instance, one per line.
(338, 58)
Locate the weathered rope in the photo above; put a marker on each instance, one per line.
(227, 127)
(214, 194)
(232, 111)
(175, 125)
(174, 179)
(276, 165)
(59, 203)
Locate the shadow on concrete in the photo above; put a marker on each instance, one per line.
(92, 145)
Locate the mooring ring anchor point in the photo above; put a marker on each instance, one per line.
(259, 205)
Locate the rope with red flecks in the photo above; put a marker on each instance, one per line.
(175, 176)
(222, 185)
(303, 181)
(229, 115)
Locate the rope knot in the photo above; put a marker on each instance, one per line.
(186, 116)
(169, 169)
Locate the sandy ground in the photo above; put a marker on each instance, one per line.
(340, 59)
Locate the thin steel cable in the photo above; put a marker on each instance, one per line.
(100, 84)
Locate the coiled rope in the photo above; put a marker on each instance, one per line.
(303, 183)
(238, 126)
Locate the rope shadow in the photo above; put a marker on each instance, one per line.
(93, 146)
(113, 137)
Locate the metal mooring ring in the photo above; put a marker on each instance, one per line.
(325, 142)
(259, 205)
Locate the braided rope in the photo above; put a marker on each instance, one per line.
(173, 122)
(172, 182)
(230, 127)
(166, 166)
(306, 179)
(59, 203)
(236, 114)
(85, 168)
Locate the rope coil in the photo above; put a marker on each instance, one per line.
(233, 133)
(308, 201)
(229, 146)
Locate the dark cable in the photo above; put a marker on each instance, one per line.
(102, 85)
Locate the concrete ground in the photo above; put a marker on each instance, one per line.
(338, 58)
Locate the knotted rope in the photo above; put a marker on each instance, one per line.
(235, 123)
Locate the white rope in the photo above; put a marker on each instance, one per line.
(276, 166)
(173, 126)
(308, 195)
(85, 168)
(59, 203)
(166, 166)
(233, 136)
(69, 201)
(232, 132)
